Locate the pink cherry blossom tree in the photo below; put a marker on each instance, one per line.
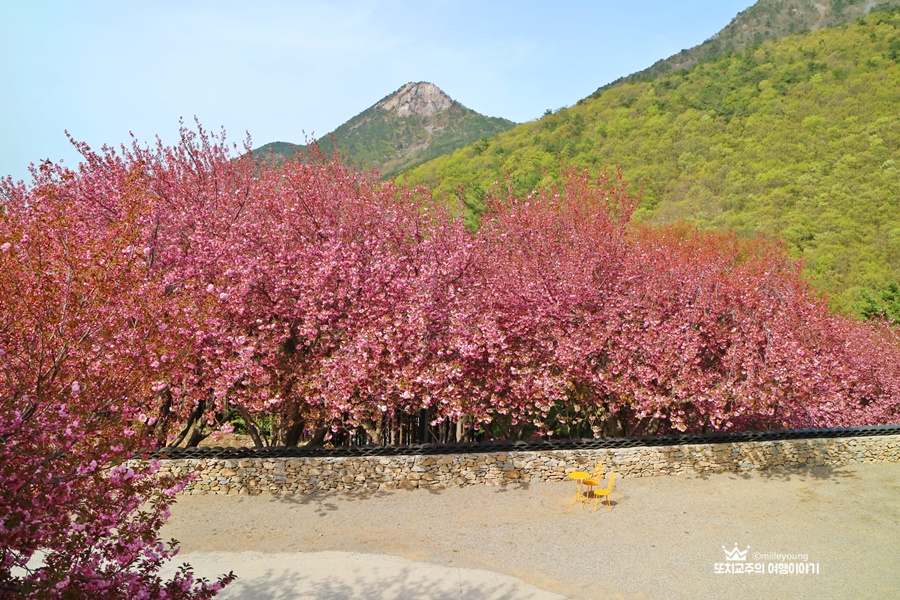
(318, 294)
(590, 325)
(83, 343)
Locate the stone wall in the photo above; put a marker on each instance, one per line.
(303, 475)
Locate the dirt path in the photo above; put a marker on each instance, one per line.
(662, 539)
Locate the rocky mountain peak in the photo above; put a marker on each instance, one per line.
(408, 127)
(420, 98)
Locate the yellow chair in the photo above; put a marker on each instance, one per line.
(591, 482)
(604, 492)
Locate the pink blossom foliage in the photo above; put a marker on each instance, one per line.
(652, 329)
(305, 295)
(333, 299)
(80, 318)
(311, 295)
(158, 294)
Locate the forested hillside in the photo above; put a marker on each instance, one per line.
(764, 21)
(797, 139)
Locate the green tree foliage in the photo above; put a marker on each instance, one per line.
(886, 303)
(795, 139)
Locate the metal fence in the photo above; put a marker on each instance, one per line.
(538, 445)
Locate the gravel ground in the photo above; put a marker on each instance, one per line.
(662, 538)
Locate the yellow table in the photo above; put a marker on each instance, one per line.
(578, 476)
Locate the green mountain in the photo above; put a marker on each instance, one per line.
(796, 138)
(766, 20)
(416, 123)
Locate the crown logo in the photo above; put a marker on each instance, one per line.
(735, 554)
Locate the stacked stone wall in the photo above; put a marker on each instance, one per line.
(316, 474)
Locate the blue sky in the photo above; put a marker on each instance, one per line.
(278, 69)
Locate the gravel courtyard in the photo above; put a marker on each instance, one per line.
(663, 539)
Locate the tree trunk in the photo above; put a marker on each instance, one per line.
(252, 429)
(423, 426)
(318, 437)
(195, 415)
(197, 436)
(159, 429)
(293, 432)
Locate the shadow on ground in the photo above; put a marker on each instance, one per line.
(348, 575)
